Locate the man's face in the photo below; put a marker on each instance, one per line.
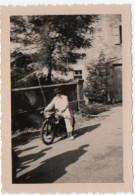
(58, 94)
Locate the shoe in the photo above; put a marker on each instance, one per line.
(72, 137)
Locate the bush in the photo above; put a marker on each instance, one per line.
(93, 109)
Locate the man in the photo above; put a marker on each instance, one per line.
(61, 104)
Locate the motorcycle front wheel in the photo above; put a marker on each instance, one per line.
(47, 133)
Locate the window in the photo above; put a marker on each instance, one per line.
(118, 35)
(78, 74)
(120, 30)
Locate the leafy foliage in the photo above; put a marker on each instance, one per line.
(92, 109)
(97, 80)
(55, 40)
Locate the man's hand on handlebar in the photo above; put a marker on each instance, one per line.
(42, 112)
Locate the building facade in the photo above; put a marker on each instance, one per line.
(106, 39)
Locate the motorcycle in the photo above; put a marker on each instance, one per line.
(53, 126)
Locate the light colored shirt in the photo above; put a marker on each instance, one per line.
(61, 104)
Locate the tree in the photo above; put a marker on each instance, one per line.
(55, 39)
(97, 80)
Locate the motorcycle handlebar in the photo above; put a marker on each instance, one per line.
(41, 112)
(48, 112)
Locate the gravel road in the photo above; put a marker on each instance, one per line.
(95, 156)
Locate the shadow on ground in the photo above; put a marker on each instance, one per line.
(79, 132)
(27, 149)
(25, 160)
(22, 163)
(54, 168)
(82, 131)
(25, 138)
(51, 164)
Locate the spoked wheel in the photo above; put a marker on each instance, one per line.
(47, 133)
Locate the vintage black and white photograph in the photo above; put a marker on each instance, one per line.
(66, 98)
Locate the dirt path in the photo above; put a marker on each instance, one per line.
(95, 156)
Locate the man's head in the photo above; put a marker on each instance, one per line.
(57, 92)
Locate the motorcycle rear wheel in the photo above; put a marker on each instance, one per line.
(47, 133)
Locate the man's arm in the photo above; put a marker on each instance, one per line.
(66, 103)
(50, 106)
